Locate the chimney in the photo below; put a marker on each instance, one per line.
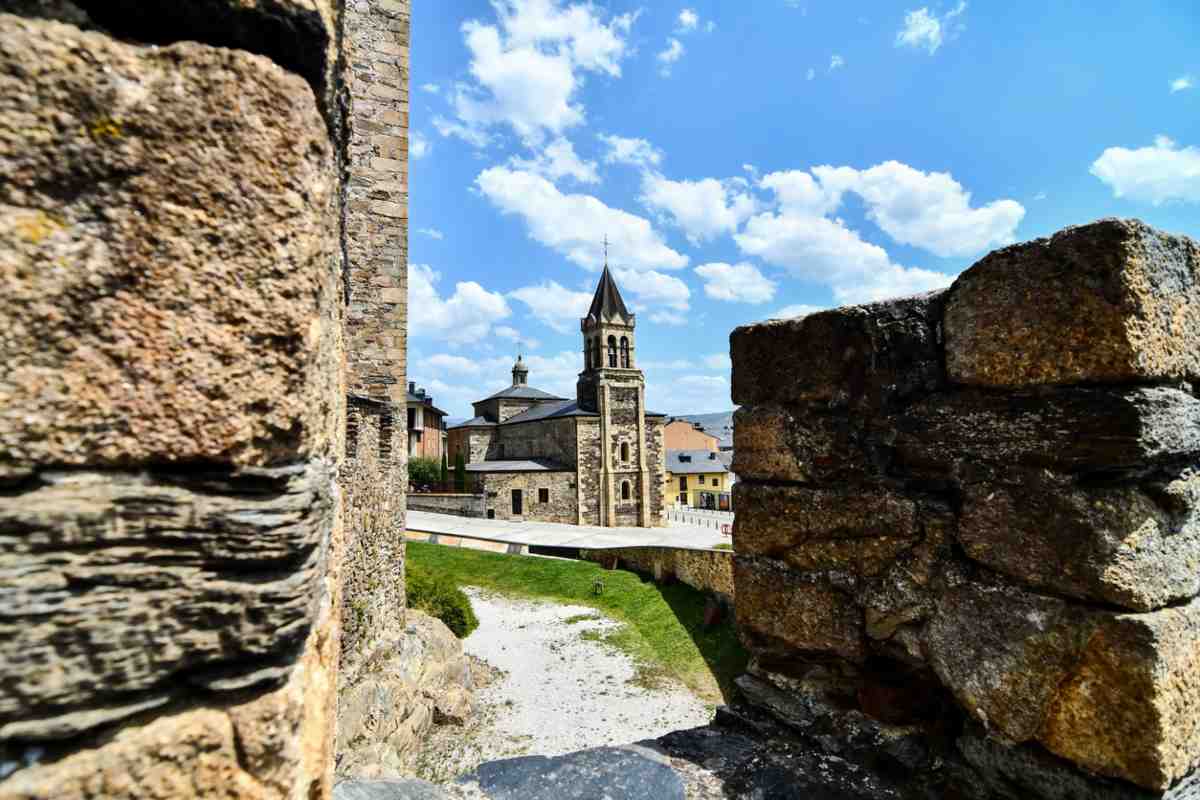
(412, 387)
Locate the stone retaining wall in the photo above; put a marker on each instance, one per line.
(707, 570)
(984, 504)
(460, 505)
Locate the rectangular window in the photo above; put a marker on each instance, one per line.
(543, 495)
(683, 483)
(716, 482)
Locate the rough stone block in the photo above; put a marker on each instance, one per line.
(858, 532)
(1112, 301)
(782, 443)
(126, 589)
(972, 435)
(861, 356)
(781, 612)
(1133, 547)
(1118, 694)
(174, 305)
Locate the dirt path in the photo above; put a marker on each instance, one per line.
(552, 688)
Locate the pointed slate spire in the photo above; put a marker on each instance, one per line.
(607, 302)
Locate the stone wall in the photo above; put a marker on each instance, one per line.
(498, 487)
(590, 466)
(979, 510)
(173, 400)
(460, 505)
(707, 570)
(554, 439)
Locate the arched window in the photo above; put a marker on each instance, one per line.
(587, 354)
(624, 490)
(624, 451)
(597, 363)
(624, 352)
(612, 351)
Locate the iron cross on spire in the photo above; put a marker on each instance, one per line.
(606, 249)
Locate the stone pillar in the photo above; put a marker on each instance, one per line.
(172, 401)
(375, 222)
(981, 508)
(644, 475)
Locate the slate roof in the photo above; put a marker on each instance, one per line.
(565, 408)
(518, 465)
(419, 400)
(607, 302)
(522, 392)
(695, 462)
(474, 422)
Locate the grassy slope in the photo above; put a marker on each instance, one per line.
(664, 628)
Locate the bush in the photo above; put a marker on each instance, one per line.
(439, 597)
(424, 471)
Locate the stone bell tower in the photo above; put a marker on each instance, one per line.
(613, 386)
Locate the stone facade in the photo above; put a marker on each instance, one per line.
(959, 518)
(561, 504)
(173, 400)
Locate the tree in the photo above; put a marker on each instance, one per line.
(422, 471)
(444, 475)
(460, 472)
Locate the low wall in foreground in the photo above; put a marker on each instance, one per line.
(707, 570)
(460, 505)
(978, 510)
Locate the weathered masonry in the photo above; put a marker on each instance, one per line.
(973, 517)
(202, 211)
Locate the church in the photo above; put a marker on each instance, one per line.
(595, 459)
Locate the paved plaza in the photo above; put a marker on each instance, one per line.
(552, 534)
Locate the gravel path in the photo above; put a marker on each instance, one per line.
(553, 691)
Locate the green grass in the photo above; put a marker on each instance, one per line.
(664, 625)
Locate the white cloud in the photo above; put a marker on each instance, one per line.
(799, 310)
(669, 318)
(929, 31)
(1183, 83)
(673, 52)
(432, 88)
(513, 335)
(654, 288)
(740, 283)
(1158, 174)
(1040, 196)
(474, 136)
(529, 66)
(930, 210)
(418, 146)
(575, 224)
(632, 151)
(464, 317)
(558, 160)
(825, 250)
(718, 361)
(703, 209)
(812, 73)
(836, 62)
(432, 233)
(457, 381)
(554, 305)
(688, 20)
(688, 394)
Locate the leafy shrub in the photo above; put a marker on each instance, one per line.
(424, 470)
(439, 597)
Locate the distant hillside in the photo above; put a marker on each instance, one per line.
(719, 424)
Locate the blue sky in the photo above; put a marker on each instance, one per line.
(762, 158)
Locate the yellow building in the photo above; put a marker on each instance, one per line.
(699, 479)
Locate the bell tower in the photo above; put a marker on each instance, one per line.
(612, 386)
